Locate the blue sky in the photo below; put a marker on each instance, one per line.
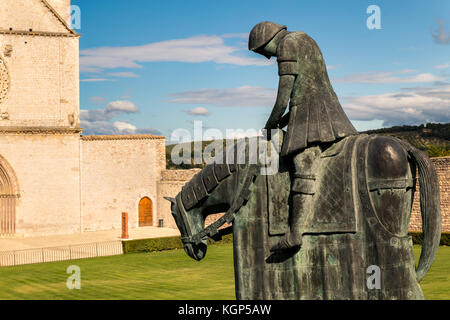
(152, 66)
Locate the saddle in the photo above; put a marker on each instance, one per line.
(332, 209)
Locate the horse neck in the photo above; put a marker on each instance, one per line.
(221, 195)
(217, 200)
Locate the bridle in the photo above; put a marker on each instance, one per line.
(213, 229)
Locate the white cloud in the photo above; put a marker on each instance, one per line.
(415, 105)
(388, 77)
(97, 121)
(123, 74)
(98, 127)
(441, 36)
(108, 128)
(124, 126)
(442, 66)
(246, 96)
(122, 106)
(149, 130)
(95, 80)
(94, 115)
(235, 35)
(409, 106)
(199, 111)
(112, 110)
(405, 71)
(100, 101)
(202, 48)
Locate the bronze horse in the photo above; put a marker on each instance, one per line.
(359, 219)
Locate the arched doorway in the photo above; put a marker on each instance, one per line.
(8, 198)
(145, 212)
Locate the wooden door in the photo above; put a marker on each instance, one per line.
(145, 212)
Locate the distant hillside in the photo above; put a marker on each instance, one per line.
(171, 166)
(433, 138)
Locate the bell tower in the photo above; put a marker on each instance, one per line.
(39, 65)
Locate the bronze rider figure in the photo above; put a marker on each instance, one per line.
(315, 119)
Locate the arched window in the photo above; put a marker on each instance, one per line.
(145, 212)
(8, 196)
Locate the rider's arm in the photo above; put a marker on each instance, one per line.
(287, 53)
(285, 86)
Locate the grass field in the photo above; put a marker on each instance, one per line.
(161, 276)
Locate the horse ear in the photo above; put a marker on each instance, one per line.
(171, 200)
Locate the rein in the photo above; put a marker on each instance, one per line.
(213, 229)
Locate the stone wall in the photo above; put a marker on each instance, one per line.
(62, 7)
(47, 168)
(116, 173)
(442, 166)
(23, 15)
(41, 56)
(43, 85)
(170, 185)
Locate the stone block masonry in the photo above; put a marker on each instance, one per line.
(442, 166)
(116, 173)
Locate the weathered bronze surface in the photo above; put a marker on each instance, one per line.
(337, 209)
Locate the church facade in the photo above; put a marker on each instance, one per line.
(54, 180)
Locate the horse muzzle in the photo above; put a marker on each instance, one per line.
(195, 251)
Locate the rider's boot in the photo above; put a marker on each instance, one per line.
(293, 238)
(303, 189)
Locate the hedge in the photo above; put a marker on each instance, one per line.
(418, 237)
(162, 244)
(170, 243)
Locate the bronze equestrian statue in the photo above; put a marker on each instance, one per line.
(338, 207)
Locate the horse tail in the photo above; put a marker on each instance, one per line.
(429, 208)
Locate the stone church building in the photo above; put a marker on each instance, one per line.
(53, 180)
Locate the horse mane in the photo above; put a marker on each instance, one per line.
(203, 183)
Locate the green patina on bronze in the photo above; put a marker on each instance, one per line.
(339, 204)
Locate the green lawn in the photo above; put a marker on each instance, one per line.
(436, 284)
(160, 275)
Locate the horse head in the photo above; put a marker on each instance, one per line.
(217, 188)
(189, 224)
(211, 191)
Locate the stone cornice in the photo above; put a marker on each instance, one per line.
(40, 130)
(70, 32)
(9, 196)
(123, 137)
(38, 33)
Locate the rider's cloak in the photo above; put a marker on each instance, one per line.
(315, 112)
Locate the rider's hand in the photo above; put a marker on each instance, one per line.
(267, 134)
(268, 130)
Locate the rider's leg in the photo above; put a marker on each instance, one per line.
(303, 188)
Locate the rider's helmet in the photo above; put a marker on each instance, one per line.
(262, 34)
